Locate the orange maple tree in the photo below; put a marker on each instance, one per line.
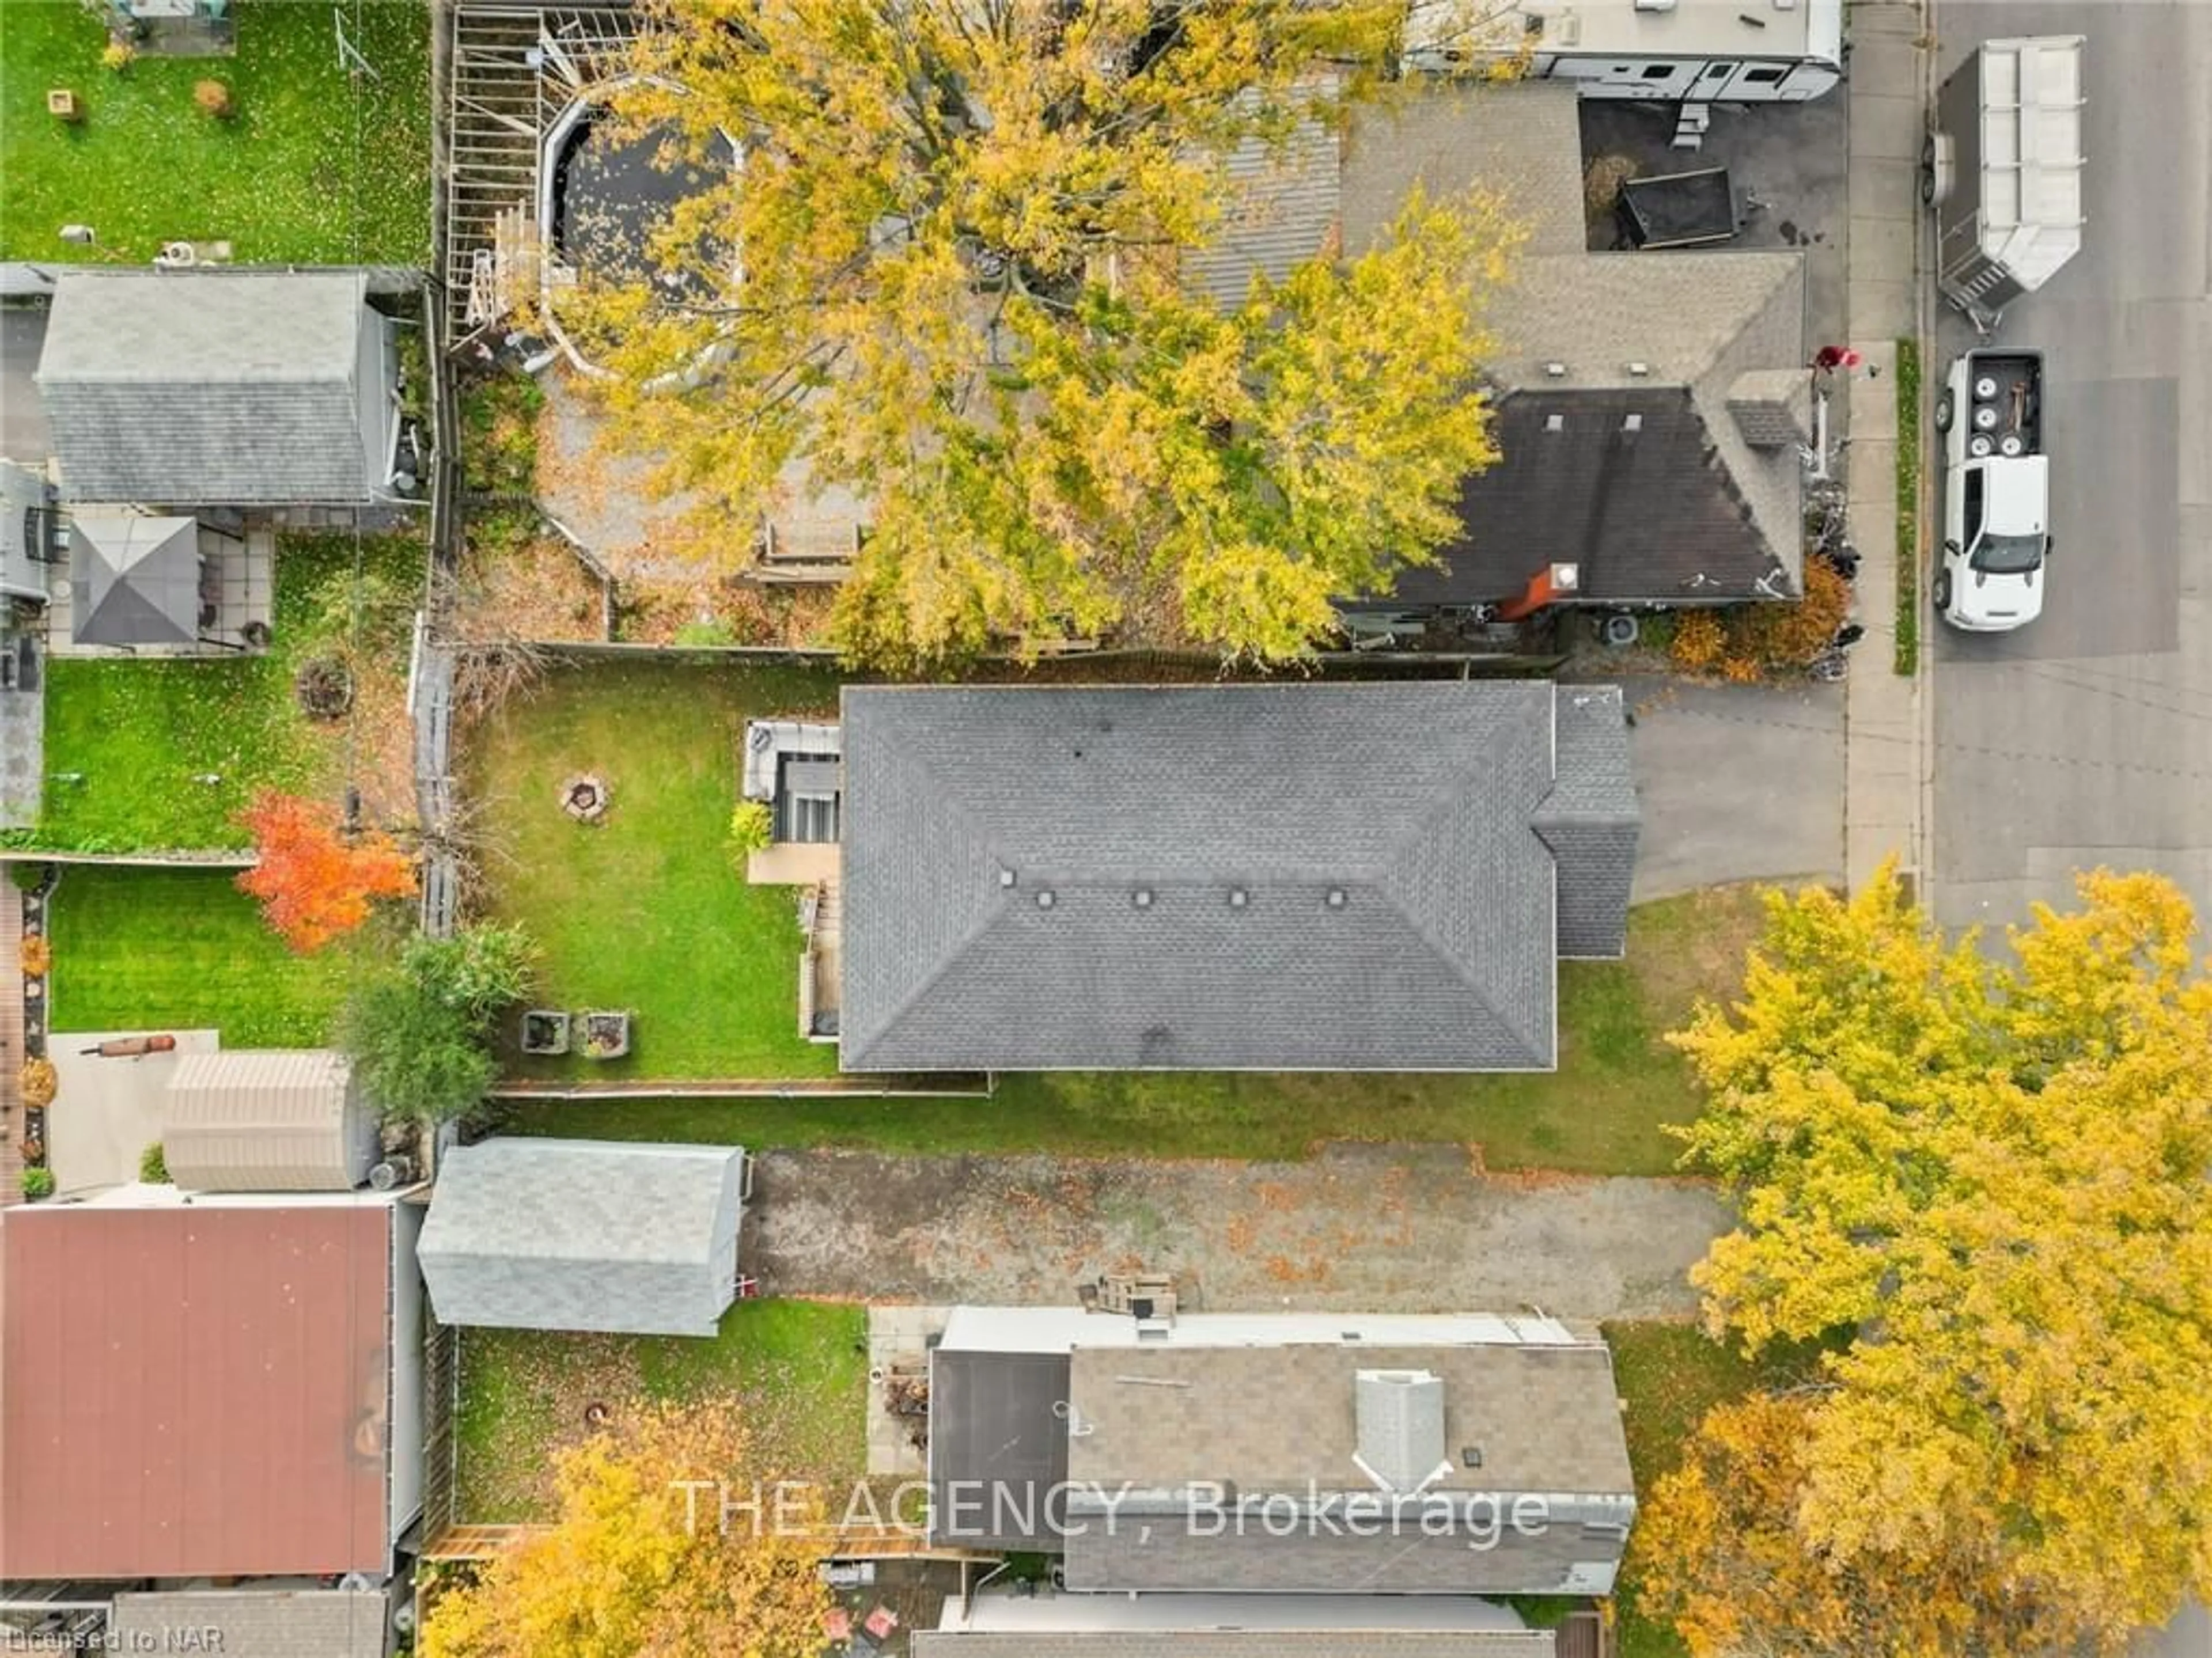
(313, 882)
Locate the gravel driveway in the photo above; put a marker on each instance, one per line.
(1375, 1228)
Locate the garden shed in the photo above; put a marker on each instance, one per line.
(271, 1119)
(586, 1235)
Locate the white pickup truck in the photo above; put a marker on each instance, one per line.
(1997, 492)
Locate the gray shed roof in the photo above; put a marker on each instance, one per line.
(1536, 1419)
(257, 1623)
(583, 1235)
(137, 577)
(181, 388)
(1262, 877)
(271, 1119)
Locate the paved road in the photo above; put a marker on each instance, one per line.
(22, 419)
(2087, 738)
(1383, 1229)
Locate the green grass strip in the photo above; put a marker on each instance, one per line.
(1908, 508)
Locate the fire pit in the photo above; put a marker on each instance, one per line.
(585, 796)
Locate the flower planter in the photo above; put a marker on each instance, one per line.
(606, 1036)
(544, 1031)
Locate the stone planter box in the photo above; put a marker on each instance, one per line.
(544, 1031)
(606, 1035)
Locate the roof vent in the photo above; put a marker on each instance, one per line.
(1654, 5)
(1142, 897)
(1557, 371)
(1238, 897)
(1632, 423)
(1400, 1419)
(1005, 878)
(1470, 1456)
(1555, 423)
(1335, 899)
(1639, 371)
(1045, 899)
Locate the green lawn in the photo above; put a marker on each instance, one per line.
(1600, 1112)
(315, 166)
(797, 1368)
(141, 948)
(128, 743)
(1669, 1375)
(648, 910)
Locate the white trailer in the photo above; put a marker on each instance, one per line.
(1690, 53)
(2003, 170)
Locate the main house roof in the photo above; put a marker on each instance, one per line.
(242, 387)
(199, 1390)
(1267, 876)
(583, 1235)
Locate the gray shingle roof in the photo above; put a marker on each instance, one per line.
(256, 1623)
(1233, 1644)
(1696, 321)
(1540, 1421)
(583, 1235)
(181, 388)
(1043, 879)
(1589, 821)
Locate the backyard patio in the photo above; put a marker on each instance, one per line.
(797, 1369)
(314, 163)
(643, 905)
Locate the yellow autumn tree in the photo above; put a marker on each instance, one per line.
(639, 1563)
(1984, 1184)
(946, 278)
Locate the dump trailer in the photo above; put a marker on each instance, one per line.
(2003, 169)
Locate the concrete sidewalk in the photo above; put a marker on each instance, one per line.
(1886, 754)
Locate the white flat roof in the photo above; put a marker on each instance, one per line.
(1063, 1329)
(1047, 1613)
(1595, 28)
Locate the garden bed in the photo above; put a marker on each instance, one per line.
(314, 165)
(797, 1370)
(163, 754)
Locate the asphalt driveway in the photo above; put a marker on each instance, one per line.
(23, 434)
(1379, 1229)
(1738, 782)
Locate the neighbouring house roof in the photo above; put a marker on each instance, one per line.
(585, 1235)
(1703, 502)
(196, 1390)
(180, 388)
(1050, 878)
(1488, 1422)
(257, 1622)
(137, 577)
(267, 1121)
(1233, 1643)
(998, 1447)
(1280, 201)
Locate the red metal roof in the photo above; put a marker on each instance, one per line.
(194, 1390)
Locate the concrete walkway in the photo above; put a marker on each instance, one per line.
(1886, 751)
(1371, 1228)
